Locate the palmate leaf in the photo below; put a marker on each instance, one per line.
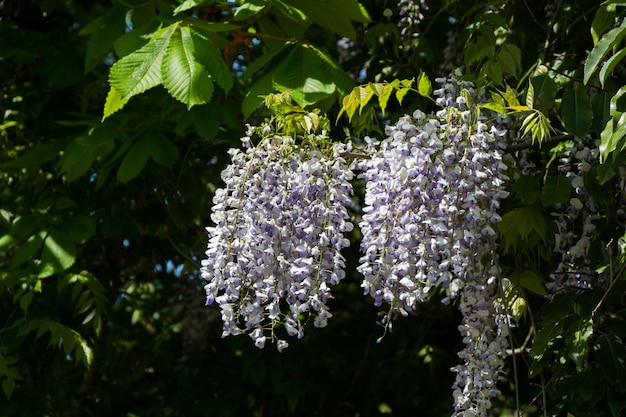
(179, 57)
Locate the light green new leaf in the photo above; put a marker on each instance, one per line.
(113, 103)
(608, 41)
(530, 96)
(424, 86)
(383, 98)
(183, 77)
(576, 111)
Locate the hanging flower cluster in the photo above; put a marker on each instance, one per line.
(433, 188)
(274, 251)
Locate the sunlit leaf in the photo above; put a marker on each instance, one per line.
(604, 46)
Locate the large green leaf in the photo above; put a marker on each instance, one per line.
(183, 77)
(611, 355)
(576, 111)
(304, 76)
(207, 55)
(138, 71)
(134, 161)
(608, 41)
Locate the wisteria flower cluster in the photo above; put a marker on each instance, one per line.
(410, 17)
(433, 188)
(274, 251)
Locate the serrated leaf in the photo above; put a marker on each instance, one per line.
(576, 111)
(556, 190)
(113, 103)
(207, 54)
(184, 77)
(140, 70)
(608, 41)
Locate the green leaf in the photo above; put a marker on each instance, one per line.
(576, 111)
(334, 15)
(531, 281)
(530, 96)
(519, 224)
(527, 187)
(604, 46)
(27, 249)
(305, 76)
(134, 161)
(80, 227)
(8, 385)
(424, 87)
(510, 59)
(140, 70)
(162, 150)
(603, 20)
(248, 9)
(113, 103)
(600, 106)
(609, 65)
(545, 337)
(577, 340)
(611, 355)
(264, 59)
(190, 4)
(183, 77)
(41, 154)
(207, 54)
(58, 251)
(545, 92)
(291, 12)
(556, 190)
(104, 30)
